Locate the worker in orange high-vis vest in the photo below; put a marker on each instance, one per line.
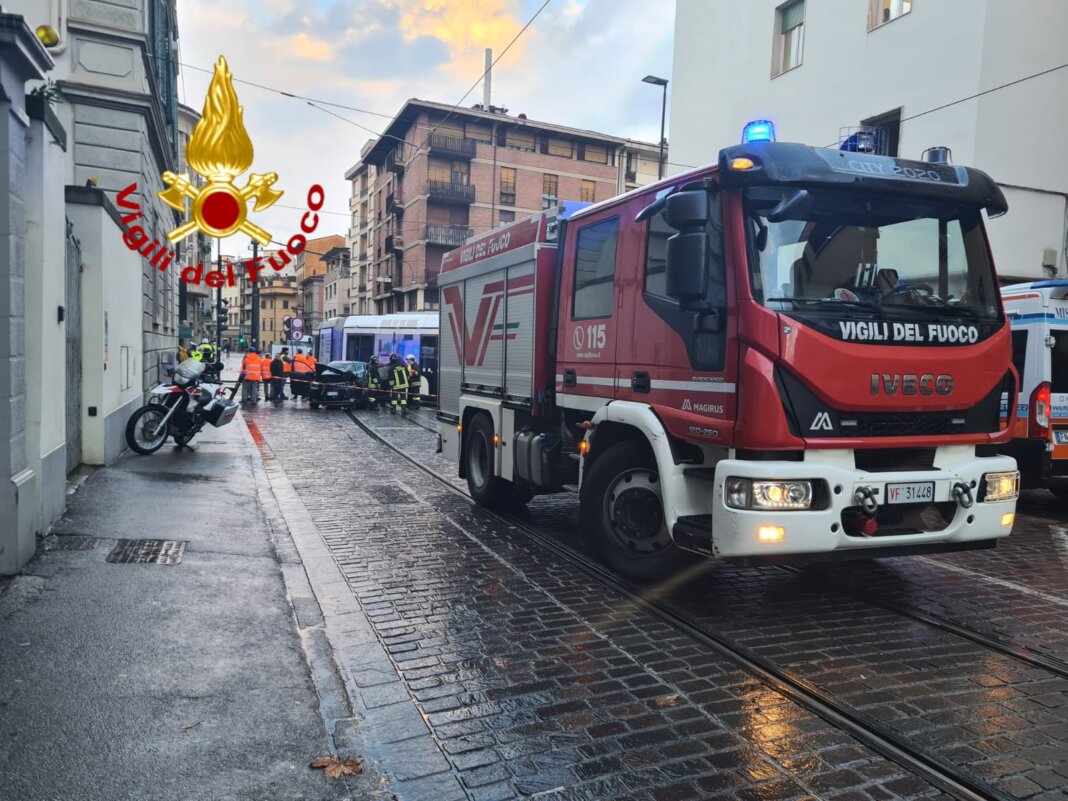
(302, 373)
(287, 369)
(265, 373)
(250, 377)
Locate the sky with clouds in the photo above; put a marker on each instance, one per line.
(580, 64)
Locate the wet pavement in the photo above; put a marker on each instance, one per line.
(205, 679)
(532, 679)
(1001, 719)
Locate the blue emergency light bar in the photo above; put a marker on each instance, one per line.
(758, 131)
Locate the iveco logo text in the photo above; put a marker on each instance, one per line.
(707, 408)
(928, 384)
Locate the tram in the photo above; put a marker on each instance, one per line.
(359, 337)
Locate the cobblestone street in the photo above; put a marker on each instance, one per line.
(498, 669)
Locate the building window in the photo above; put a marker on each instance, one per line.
(549, 185)
(595, 153)
(789, 36)
(263, 304)
(508, 186)
(588, 192)
(595, 270)
(882, 11)
(558, 147)
(507, 217)
(519, 139)
(285, 304)
(656, 255)
(887, 131)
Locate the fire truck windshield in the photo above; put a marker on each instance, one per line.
(834, 254)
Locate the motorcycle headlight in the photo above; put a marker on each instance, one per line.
(1001, 486)
(744, 493)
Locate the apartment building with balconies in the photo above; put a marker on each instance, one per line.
(439, 174)
(310, 270)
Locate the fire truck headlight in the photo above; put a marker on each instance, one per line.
(1001, 487)
(743, 493)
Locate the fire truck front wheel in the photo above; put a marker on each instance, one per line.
(623, 510)
(479, 454)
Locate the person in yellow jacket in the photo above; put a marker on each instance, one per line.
(398, 384)
(250, 376)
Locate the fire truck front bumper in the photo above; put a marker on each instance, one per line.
(826, 506)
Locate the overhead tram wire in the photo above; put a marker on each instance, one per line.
(1032, 76)
(335, 104)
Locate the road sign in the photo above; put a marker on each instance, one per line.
(298, 336)
(296, 323)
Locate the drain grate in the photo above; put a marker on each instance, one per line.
(147, 552)
(386, 493)
(68, 543)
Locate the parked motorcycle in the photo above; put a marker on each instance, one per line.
(180, 409)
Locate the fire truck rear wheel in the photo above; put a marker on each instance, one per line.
(623, 508)
(486, 488)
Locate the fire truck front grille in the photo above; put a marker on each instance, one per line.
(881, 424)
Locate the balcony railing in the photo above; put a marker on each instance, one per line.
(394, 241)
(395, 200)
(396, 159)
(452, 146)
(362, 256)
(450, 192)
(450, 236)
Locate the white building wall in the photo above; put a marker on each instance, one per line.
(111, 336)
(46, 344)
(940, 52)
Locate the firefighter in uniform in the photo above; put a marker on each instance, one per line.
(373, 383)
(398, 384)
(250, 377)
(415, 382)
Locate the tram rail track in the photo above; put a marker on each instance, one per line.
(1021, 653)
(1018, 652)
(930, 767)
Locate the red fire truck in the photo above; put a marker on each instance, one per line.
(796, 352)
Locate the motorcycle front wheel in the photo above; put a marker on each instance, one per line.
(141, 426)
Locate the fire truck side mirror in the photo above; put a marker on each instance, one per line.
(688, 209)
(688, 258)
(689, 252)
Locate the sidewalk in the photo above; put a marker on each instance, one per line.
(200, 680)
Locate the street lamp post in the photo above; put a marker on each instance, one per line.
(255, 321)
(661, 82)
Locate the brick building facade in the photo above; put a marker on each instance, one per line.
(438, 175)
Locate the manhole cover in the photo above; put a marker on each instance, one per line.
(147, 552)
(386, 493)
(68, 543)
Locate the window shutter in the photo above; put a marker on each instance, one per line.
(792, 15)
